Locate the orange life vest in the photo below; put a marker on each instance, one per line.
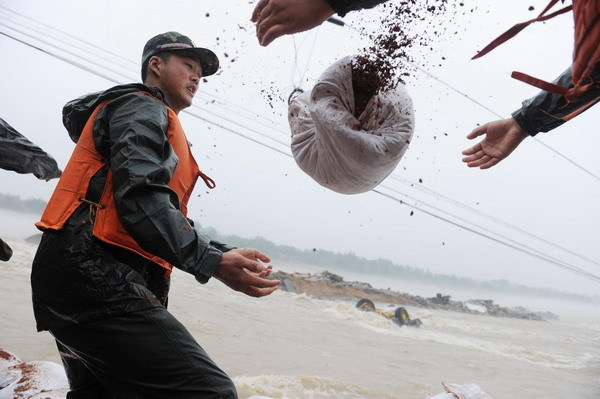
(586, 52)
(85, 162)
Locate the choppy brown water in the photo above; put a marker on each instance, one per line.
(293, 346)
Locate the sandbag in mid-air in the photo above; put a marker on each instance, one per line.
(346, 136)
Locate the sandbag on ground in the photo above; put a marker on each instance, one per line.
(31, 380)
(458, 391)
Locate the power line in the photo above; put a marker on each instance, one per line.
(58, 48)
(573, 269)
(85, 68)
(235, 132)
(111, 79)
(337, 22)
(115, 55)
(487, 216)
(88, 69)
(117, 61)
(508, 240)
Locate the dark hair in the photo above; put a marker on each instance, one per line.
(165, 55)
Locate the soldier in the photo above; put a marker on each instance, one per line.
(116, 226)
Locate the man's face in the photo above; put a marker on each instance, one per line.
(179, 80)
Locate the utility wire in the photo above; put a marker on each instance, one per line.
(118, 59)
(528, 249)
(581, 272)
(74, 63)
(272, 124)
(70, 36)
(58, 48)
(126, 76)
(88, 69)
(196, 115)
(200, 117)
(111, 79)
(487, 216)
(560, 264)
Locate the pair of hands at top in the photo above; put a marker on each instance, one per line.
(241, 270)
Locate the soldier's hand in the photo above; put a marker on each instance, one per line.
(241, 270)
(275, 18)
(500, 139)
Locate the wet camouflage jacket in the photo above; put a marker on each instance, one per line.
(77, 278)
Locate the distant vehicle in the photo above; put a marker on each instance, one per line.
(400, 316)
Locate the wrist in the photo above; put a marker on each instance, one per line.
(325, 9)
(517, 130)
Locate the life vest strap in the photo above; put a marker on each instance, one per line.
(210, 183)
(93, 208)
(519, 27)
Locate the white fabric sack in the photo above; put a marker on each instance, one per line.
(330, 148)
(458, 391)
(31, 380)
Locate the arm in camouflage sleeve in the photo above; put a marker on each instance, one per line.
(546, 111)
(22, 156)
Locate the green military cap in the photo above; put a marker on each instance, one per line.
(175, 41)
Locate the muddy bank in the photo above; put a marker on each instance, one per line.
(327, 285)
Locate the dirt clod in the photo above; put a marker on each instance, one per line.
(410, 26)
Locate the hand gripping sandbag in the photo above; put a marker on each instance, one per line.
(334, 149)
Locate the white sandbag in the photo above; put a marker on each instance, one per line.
(466, 391)
(329, 146)
(443, 395)
(461, 391)
(8, 382)
(31, 380)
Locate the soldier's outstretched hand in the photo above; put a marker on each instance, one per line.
(501, 137)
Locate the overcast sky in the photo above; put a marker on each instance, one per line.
(261, 192)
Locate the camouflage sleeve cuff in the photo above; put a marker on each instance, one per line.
(208, 264)
(529, 125)
(342, 7)
(220, 246)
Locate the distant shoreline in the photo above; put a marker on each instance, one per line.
(327, 285)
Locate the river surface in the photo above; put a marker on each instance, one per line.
(297, 347)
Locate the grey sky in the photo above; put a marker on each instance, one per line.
(262, 192)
